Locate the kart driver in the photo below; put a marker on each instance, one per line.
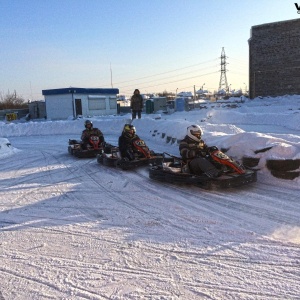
(126, 141)
(195, 154)
(88, 132)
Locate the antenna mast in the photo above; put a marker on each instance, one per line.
(111, 77)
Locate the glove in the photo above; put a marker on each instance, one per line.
(212, 149)
(201, 145)
(196, 147)
(202, 153)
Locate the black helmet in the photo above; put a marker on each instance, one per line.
(87, 122)
(129, 130)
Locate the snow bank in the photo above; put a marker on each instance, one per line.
(107, 125)
(285, 119)
(5, 148)
(221, 124)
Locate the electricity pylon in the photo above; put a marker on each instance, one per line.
(223, 80)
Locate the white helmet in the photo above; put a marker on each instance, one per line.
(194, 132)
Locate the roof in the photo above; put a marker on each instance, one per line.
(74, 90)
(275, 23)
(185, 94)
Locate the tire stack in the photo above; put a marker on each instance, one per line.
(279, 168)
(284, 169)
(250, 162)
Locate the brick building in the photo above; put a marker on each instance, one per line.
(274, 59)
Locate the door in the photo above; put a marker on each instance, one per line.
(78, 107)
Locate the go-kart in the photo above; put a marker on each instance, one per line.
(91, 149)
(142, 156)
(231, 173)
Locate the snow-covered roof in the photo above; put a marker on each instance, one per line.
(185, 94)
(75, 90)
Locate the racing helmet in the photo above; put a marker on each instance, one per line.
(88, 122)
(194, 132)
(129, 130)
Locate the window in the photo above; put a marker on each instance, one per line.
(112, 102)
(96, 103)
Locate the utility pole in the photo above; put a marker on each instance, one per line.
(111, 76)
(223, 78)
(194, 95)
(31, 92)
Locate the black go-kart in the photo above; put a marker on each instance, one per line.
(78, 149)
(231, 173)
(142, 157)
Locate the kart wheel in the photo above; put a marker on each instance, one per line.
(157, 173)
(100, 159)
(109, 162)
(70, 150)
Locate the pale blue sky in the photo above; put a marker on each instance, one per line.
(153, 45)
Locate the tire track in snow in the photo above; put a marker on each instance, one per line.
(226, 264)
(219, 201)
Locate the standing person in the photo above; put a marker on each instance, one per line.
(90, 130)
(136, 104)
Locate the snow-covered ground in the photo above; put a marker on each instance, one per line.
(74, 229)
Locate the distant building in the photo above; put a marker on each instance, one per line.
(274, 61)
(66, 102)
(37, 110)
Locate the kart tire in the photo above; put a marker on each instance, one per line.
(156, 173)
(283, 164)
(250, 162)
(290, 175)
(100, 159)
(70, 150)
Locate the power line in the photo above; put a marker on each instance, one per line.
(147, 87)
(158, 74)
(166, 78)
(237, 60)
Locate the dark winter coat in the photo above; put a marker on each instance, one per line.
(126, 144)
(136, 102)
(190, 149)
(85, 136)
